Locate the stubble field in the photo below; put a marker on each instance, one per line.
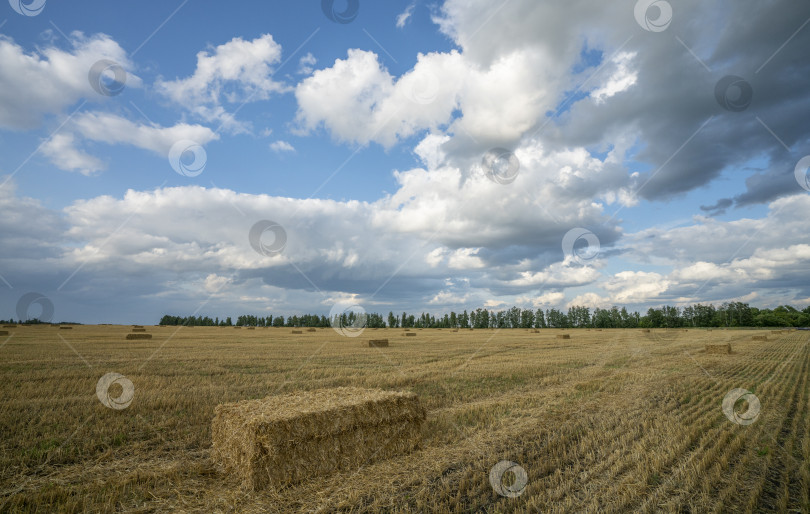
(610, 420)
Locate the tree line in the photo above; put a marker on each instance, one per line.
(733, 314)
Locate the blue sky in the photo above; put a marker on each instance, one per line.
(367, 142)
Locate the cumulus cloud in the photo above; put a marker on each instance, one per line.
(235, 72)
(50, 79)
(63, 149)
(306, 64)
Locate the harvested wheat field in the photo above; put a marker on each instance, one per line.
(610, 421)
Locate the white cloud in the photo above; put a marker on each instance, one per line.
(281, 146)
(465, 258)
(235, 72)
(357, 99)
(36, 84)
(62, 151)
(591, 300)
(306, 64)
(63, 148)
(404, 16)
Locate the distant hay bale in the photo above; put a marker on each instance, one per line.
(297, 332)
(313, 330)
(9, 326)
(598, 329)
(281, 440)
(535, 331)
(718, 348)
(139, 336)
(455, 330)
(251, 328)
(410, 334)
(760, 338)
(65, 328)
(377, 343)
(3, 332)
(237, 327)
(139, 330)
(137, 326)
(563, 336)
(646, 330)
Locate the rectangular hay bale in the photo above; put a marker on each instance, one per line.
(139, 336)
(9, 326)
(760, 338)
(563, 336)
(281, 440)
(3, 332)
(718, 348)
(410, 334)
(313, 330)
(297, 332)
(377, 343)
(139, 330)
(65, 328)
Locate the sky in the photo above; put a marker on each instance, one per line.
(274, 158)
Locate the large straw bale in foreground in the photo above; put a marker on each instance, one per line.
(718, 348)
(284, 439)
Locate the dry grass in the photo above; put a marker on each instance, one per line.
(613, 421)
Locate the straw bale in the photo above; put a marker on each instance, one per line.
(718, 348)
(139, 336)
(3, 332)
(9, 326)
(139, 330)
(563, 336)
(378, 343)
(66, 328)
(297, 332)
(313, 330)
(760, 338)
(285, 439)
(410, 334)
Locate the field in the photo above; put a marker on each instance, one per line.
(610, 420)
